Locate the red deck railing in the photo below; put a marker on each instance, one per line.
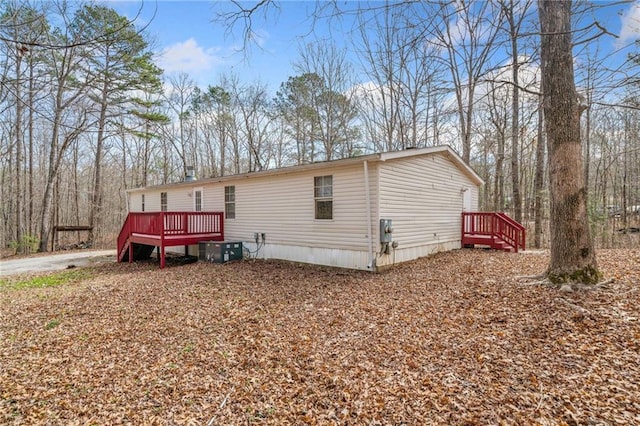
(164, 229)
(123, 237)
(494, 226)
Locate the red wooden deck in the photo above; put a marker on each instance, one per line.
(167, 229)
(496, 230)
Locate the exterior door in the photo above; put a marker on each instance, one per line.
(466, 200)
(197, 200)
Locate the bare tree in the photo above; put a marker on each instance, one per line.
(69, 116)
(515, 14)
(22, 26)
(334, 105)
(401, 104)
(498, 116)
(467, 34)
(251, 107)
(179, 100)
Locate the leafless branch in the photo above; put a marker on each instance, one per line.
(26, 44)
(244, 16)
(511, 83)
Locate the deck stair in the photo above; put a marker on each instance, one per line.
(494, 230)
(140, 252)
(142, 232)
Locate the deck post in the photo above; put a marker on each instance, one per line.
(495, 227)
(162, 240)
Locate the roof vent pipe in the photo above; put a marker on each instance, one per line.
(190, 176)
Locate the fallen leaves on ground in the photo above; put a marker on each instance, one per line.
(450, 339)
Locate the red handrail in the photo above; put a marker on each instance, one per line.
(494, 225)
(164, 224)
(123, 236)
(521, 240)
(176, 223)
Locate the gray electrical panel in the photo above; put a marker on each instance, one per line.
(219, 251)
(386, 231)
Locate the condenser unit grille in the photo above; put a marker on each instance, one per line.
(219, 252)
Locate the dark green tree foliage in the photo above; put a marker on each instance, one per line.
(296, 103)
(117, 61)
(144, 113)
(212, 110)
(316, 118)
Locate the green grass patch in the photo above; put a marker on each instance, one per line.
(52, 324)
(51, 280)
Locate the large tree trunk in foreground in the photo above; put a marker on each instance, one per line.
(573, 257)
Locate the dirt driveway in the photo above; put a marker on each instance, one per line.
(54, 262)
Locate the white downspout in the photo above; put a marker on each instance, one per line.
(367, 196)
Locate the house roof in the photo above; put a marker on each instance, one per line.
(379, 157)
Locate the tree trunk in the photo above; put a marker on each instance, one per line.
(515, 125)
(18, 166)
(95, 211)
(223, 147)
(539, 178)
(47, 199)
(31, 194)
(498, 192)
(573, 258)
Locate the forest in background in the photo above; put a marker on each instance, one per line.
(86, 113)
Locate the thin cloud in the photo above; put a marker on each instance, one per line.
(188, 57)
(260, 37)
(630, 24)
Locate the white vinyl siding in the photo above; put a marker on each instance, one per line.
(178, 199)
(424, 198)
(422, 192)
(283, 207)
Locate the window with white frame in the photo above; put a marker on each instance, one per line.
(229, 202)
(163, 201)
(323, 196)
(197, 199)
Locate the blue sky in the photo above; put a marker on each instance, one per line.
(188, 40)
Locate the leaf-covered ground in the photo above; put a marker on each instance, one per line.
(450, 339)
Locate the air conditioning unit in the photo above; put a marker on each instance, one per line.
(219, 251)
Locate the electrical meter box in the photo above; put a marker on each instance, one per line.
(219, 251)
(386, 231)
